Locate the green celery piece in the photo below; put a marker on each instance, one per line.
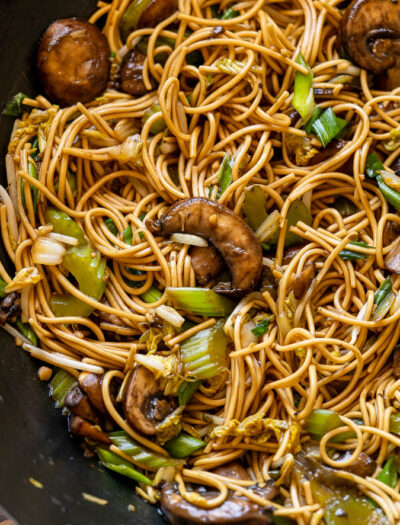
(186, 391)
(62, 223)
(320, 421)
(88, 271)
(152, 295)
(391, 195)
(204, 353)
(395, 423)
(328, 126)
(261, 328)
(2, 286)
(117, 464)
(159, 125)
(130, 19)
(253, 207)
(298, 211)
(184, 445)
(382, 291)
(32, 171)
(307, 127)
(373, 165)
(303, 98)
(225, 173)
(60, 385)
(388, 474)
(200, 301)
(352, 509)
(27, 331)
(14, 105)
(69, 306)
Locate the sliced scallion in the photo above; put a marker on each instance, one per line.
(159, 125)
(303, 98)
(14, 105)
(391, 195)
(382, 291)
(122, 466)
(350, 255)
(186, 391)
(328, 126)
(111, 226)
(183, 446)
(60, 385)
(384, 306)
(261, 328)
(152, 295)
(373, 165)
(320, 421)
(225, 173)
(253, 207)
(27, 331)
(307, 127)
(200, 301)
(32, 171)
(388, 474)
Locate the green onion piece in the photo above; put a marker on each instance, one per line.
(225, 173)
(111, 226)
(62, 223)
(117, 464)
(391, 195)
(394, 426)
(60, 385)
(159, 125)
(35, 147)
(350, 255)
(35, 193)
(261, 328)
(14, 105)
(128, 235)
(298, 211)
(345, 206)
(200, 301)
(186, 391)
(384, 306)
(253, 207)
(373, 165)
(2, 286)
(184, 445)
(328, 126)
(152, 295)
(320, 421)
(69, 306)
(229, 13)
(382, 291)
(142, 457)
(131, 17)
(204, 354)
(27, 331)
(303, 98)
(388, 474)
(233, 67)
(307, 127)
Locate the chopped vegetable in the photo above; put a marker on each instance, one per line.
(268, 227)
(384, 306)
(388, 474)
(261, 328)
(14, 105)
(62, 223)
(2, 287)
(233, 67)
(382, 291)
(32, 171)
(27, 331)
(345, 206)
(122, 466)
(320, 421)
(159, 125)
(170, 315)
(253, 207)
(69, 306)
(131, 17)
(186, 391)
(201, 301)
(128, 235)
(391, 195)
(350, 255)
(187, 238)
(183, 446)
(298, 211)
(391, 179)
(60, 385)
(229, 13)
(111, 226)
(47, 251)
(204, 353)
(373, 165)
(225, 173)
(328, 126)
(308, 127)
(394, 142)
(24, 278)
(395, 423)
(152, 295)
(303, 98)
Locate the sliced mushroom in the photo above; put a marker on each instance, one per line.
(235, 509)
(10, 307)
(230, 235)
(392, 259)
(81, 427)
(73, 61)
(131, 73)
(363, 466)
(396, 362)
(78, 403)
(292, 252)
(156, 11)
(207, 263)
(144, 404)
(233, 470)
(91, 385)
(391, 232)
(370, 35)
(268, 282)
(303, 281)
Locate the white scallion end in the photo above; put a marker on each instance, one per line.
(66, 239)
(48, 251)
(150, 362)
(187, 238)
(170, 315)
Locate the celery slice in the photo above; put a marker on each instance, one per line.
(200, 301)
(152, 295)
(183, 446)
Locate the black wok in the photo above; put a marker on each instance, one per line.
(34, 440)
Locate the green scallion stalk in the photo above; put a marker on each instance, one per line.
(373, 165)
(184, 445)
(229, 13)
(2, 286)
(159, 125)
(14, 105)
(261, 328)
(152, 295)
(303, 98)
(128, 235)
(350, 255)
(388, 474)
(200, 301)
(186, 391)
(382, 291)
(60, 385)
(345, 206)
(122, 466)
(384, 306)
(328, 126)
(32, 171)
(320, 421)
(204, 354)
(27, 331)
(225, 173)
(111, 226)
(142, 457)
(307, 127)
(391, 195)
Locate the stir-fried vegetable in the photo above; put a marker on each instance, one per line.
(159, 125)
(320, 421)
(47, 251)
(225, 173)
(328, 126)
(111, 226)
(391, 195)
(350, 255)
(131, 16)
(384, 306)
(201, 301)
(3, 284)
(184, 445)
(388, 474)
(233, 67)
(122, 466)
(186, 391)
(382, 291)
(308, 127)
(32, 171)
(204, 354)
(345, 206)
(152, 295)
(60, 385)
(373, 165)
(62, 223)
(14, 105)
(88, 268)
(27, 331)
(253, 207)
(261, 328)
(303, 98)
(268, 230)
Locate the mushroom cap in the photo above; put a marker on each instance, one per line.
(370, 34)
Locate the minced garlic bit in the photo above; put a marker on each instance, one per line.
(94, 499)
(35, 483)
(45, 373)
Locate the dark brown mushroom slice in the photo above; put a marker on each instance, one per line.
(291, 252)
(304, 280)
(234, 510)
(73, 61)
(78, 403)
(268, 282)
(226, 231)
(233, 470)
(370, 34)
(144, 404)
(363, 466)
(156, 11)
(131, 73)
(91, 384)
(391, 232)
(392, 259)
(81, 427)
(207, 263)
(396, 362)
(10, 307)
